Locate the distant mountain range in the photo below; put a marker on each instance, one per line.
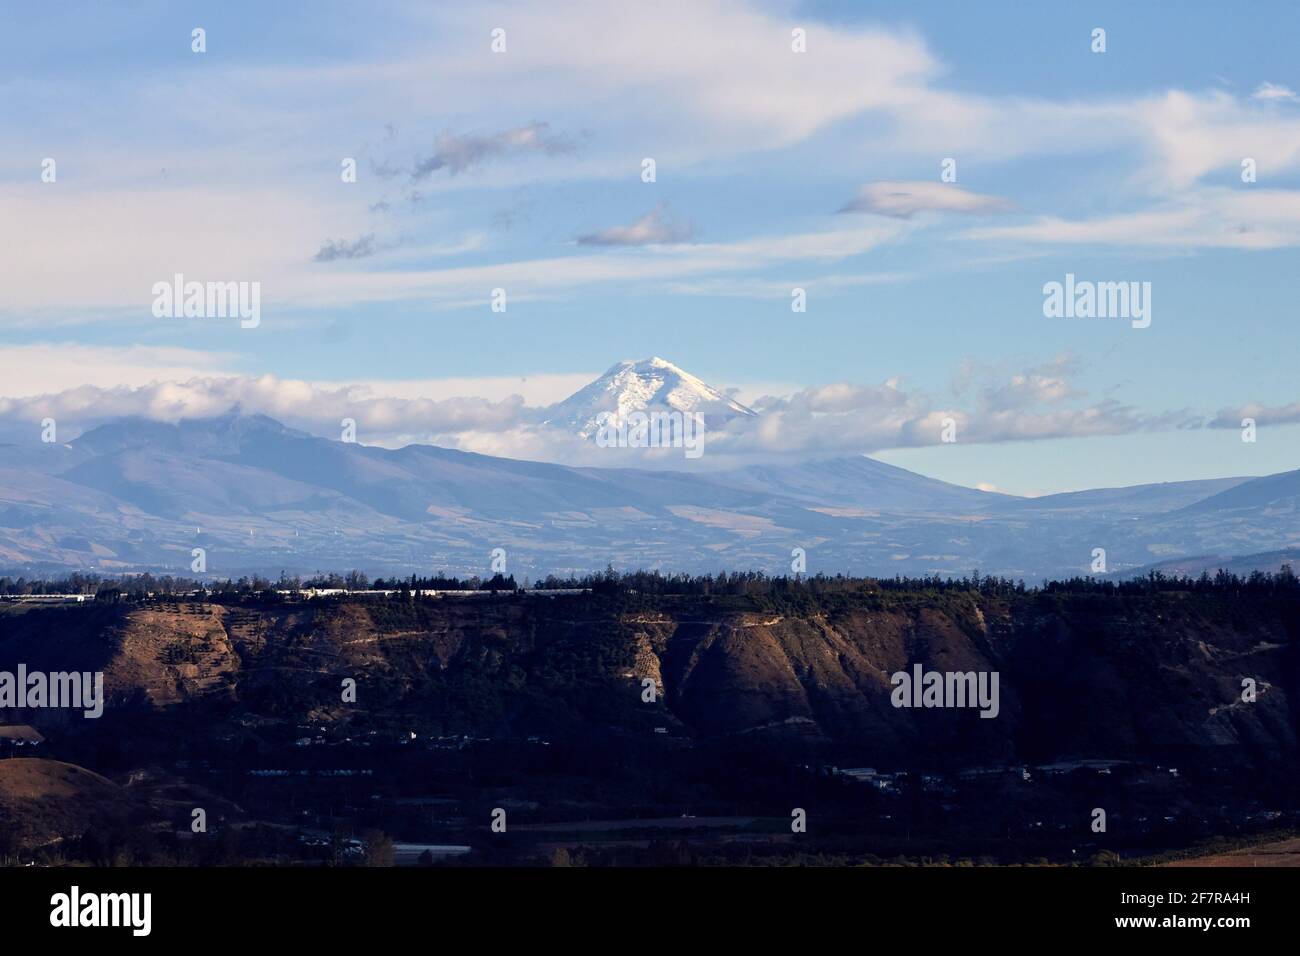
(261, 497)
(258, 496)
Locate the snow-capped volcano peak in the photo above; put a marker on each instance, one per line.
(648, 385)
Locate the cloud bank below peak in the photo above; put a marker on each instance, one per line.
(842, 418)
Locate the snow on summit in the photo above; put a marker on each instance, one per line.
(647, 385)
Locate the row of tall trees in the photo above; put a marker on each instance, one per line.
(611, 582)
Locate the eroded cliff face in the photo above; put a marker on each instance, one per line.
(1078, 675)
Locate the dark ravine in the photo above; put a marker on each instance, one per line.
(1080, 675)
(536, 704)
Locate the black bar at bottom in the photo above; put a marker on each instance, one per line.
(929, 904)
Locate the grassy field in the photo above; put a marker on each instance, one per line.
(1278, 853)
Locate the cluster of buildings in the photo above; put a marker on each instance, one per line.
(46, 598)
(889, 782)
(20, 740)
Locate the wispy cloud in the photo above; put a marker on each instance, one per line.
(457, 153)
(749, 95)
(653, 228)
(616, 264)
(1262, 415)
(1200, 218)
(1274, 91)
(904, 199)
(45, 368)
(359, 248)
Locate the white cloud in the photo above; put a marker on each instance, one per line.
(724, 67)
(304, 404)
(96, 253)
(1188, 136)
(1262, 414)
(703, 80)
(529, 277)
(904, 199)
(757, 287)
(1247, 218)
(46, 368)
(457, 153)
(850, 418)
(535, 389)
(1047, 384)
(833, 419)
(71, 246)
(1274, 91)
(654, 227)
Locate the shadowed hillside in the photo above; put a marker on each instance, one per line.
(1122, 696)
(1080, 674)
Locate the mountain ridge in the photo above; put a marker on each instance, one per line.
(261, 497)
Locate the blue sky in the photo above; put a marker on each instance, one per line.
(479, 170)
